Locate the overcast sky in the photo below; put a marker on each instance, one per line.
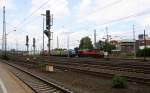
(77, 17)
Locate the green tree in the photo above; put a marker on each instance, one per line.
(85, 43)
(100, 44)
(141, 52)
(108, 47)
(105, 46)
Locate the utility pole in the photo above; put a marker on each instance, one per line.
(57, 43)
(95, 38)
(4, 42)
(68, 40)
(134, 47)
(3, 36)
(43, 31)
(17, 46)
(17, 51)
(144, 47)
(107, 41)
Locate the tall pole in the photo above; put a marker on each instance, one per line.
(57, 43)
(50, 33)
(68, 40)
(49, 42)
(43, 35)
(134, 42)
(107, 41)
(3, 37)
(144, 47)
(17, 45)
(95, 38)
(4, 42)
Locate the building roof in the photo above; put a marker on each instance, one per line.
(127, 40)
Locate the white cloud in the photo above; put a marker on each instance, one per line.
(74, 37)
(96, 11)
(59, 8)
(9, 4)
(31, 30)
(84, 8)
(101, 13)
(144, 20)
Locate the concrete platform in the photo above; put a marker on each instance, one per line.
(11, 84)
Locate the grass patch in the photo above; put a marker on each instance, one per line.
(119, 82)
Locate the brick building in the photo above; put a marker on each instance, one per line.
(141, 41)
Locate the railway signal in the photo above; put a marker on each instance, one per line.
(47, 19)
(47, 32)
(34, 45)
(33, 42)
(27, 43)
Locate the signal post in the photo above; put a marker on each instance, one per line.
(49, 23)
(47, 32)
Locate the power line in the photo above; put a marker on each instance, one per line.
(132, 15)
(110, 4)
(25, 19)
(45, 3)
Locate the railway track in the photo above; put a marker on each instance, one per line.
(137, 73)
(37, 84)
(130, 67)
(144, 79)
(120, 66)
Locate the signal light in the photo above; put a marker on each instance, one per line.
(33, 42)
(27, 39)
(47, 19)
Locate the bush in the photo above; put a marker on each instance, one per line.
(119, 82)
(140, 52)
(5, 57)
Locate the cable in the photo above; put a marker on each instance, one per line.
(25, 19)
(110, 4)
(127, 17)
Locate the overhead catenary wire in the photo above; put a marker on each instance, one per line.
(27, 18)
(45, 3)
(127, 17)
(106, 6)
(110, 4)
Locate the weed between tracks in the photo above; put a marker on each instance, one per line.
(119, 82)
